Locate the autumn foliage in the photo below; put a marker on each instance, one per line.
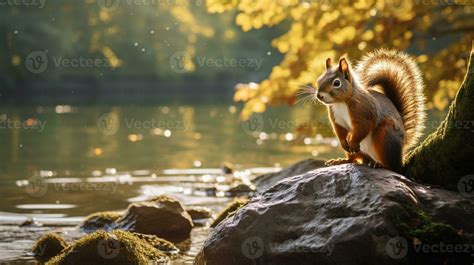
(438, 33)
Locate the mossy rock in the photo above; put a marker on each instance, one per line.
(422, 230)
(229, 210)
(100, 220)
(48, 246)
(166, 200)
(159, 243)
(115, 247)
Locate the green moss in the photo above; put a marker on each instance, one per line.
(116, 247)
(229, 210)
(48, 246)
(418, 224)
(163, 199)
(109, 216)
(100, 220)
(159, 243)
(421, 230)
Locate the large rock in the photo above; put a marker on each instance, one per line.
(265, 181)
(345, 214)
(445, 205)
(163, 216)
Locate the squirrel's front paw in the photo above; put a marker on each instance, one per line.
(354, 149)
(338, 161)
(374, 164)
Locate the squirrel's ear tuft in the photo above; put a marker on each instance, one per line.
(344, 68)
(328, 63)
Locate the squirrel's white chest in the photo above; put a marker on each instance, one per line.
(343, 118)
(341, 115)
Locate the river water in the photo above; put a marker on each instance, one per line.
(60, 163)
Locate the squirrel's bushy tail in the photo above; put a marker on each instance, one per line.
(399, 76)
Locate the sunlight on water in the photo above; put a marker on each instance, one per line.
(201, 155)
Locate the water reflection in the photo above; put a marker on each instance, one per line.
(107, 154)
(151, 137)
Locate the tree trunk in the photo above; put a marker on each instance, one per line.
(447, 154)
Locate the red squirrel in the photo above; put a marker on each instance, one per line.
(377, 110)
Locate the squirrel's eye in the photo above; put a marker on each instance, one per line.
(336, 83)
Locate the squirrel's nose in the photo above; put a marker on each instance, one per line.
(319, 96)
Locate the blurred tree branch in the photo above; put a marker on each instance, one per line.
(321, 29)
